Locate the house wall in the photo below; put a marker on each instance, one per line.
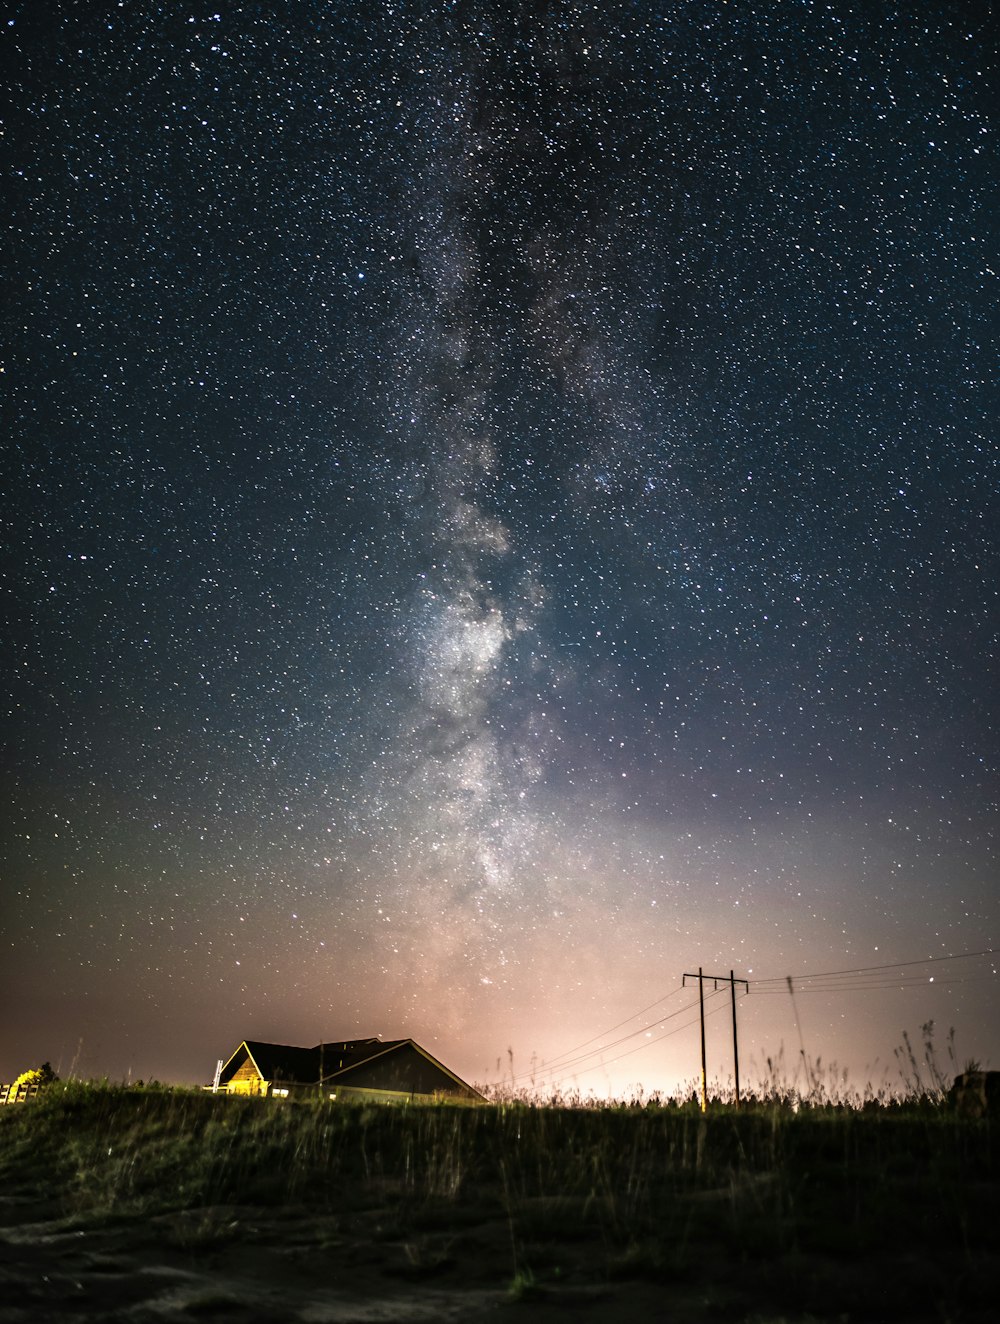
(348, 1094)
(246, 1080)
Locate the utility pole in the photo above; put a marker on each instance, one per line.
(732, 981)
(736, 1042)
(704, 1063)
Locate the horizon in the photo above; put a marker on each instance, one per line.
(937, 1051)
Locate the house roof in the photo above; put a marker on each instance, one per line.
(287, 1062)
(377, 1049)
(344, 1054)
(273, 1061)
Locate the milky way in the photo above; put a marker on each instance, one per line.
(502, 508)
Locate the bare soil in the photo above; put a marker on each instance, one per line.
(254, 1265)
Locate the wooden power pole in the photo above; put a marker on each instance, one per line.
(732, 981)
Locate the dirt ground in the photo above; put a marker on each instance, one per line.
(252, 1265)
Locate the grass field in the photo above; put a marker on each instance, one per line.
(131, 1203)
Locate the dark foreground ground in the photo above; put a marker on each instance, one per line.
(155, 1205)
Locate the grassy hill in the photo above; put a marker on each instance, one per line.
(768, 1214)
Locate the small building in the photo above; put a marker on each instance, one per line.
(392, 1071)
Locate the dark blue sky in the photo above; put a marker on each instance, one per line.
(502, 510)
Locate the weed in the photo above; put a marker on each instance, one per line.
(524, 1286)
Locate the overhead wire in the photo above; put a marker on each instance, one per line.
(611, 1028)
(869, 969)
(853, 979)
(572, 1056)
(803, 986)
(658, 1039)
(559, 1067)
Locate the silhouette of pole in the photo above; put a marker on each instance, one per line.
(732, 981)
(736, 1044)
(704, 1064)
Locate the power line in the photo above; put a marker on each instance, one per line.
(903, 982)
(566, 1059)
(598, 1066)
(659, 1039)
(868, 969)
(611, 1029)
(550, 1069)
(573, 1058)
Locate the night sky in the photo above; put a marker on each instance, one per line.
(500, 510)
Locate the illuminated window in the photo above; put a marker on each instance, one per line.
(280, 1094)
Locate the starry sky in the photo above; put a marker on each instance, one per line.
(500, 512)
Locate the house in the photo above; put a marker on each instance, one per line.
(395, 1070)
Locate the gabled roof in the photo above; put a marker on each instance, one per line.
(273, 1061)
(361, 1054)
(301, 1065)
(376, 1049)
(347, 1052)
